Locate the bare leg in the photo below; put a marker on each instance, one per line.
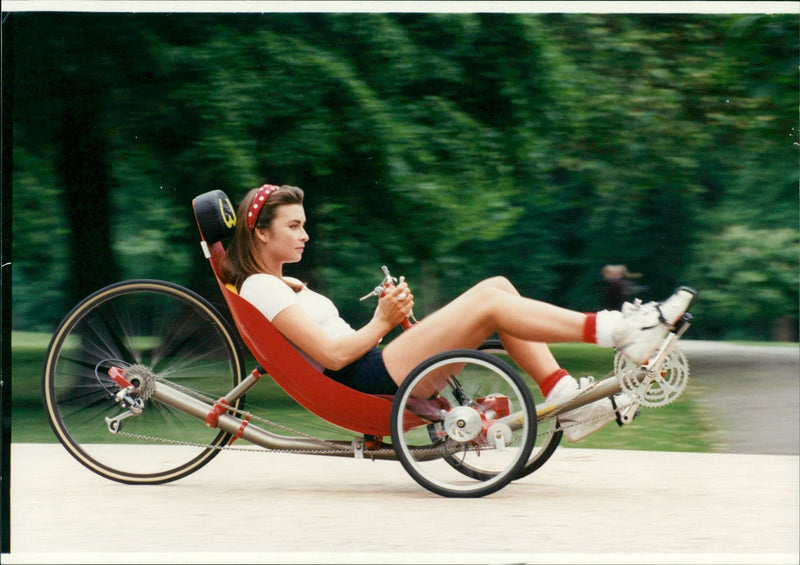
(494, 305)
(533, 357)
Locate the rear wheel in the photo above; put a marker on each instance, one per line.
(153, 331)
(482, 436)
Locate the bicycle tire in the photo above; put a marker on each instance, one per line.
(156, 326)
(432, 459)
(547, 441)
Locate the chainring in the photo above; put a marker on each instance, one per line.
(653, 392)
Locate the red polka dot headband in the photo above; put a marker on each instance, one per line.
(258, 203)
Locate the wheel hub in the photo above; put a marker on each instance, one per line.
(463, 423)
(143, 379)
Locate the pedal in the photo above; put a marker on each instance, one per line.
(683, 324)
(625, 415)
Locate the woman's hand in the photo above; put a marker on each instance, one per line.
(396, 305)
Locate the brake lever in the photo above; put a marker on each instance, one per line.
(388, 282)
(376, 292)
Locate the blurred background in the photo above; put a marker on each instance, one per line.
(449, 147)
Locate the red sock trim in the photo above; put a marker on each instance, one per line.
(550, 382)
(590, 328)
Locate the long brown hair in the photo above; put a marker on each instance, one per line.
(241, 261)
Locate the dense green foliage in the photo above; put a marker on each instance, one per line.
(449, 147)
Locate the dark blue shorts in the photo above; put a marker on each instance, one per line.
(367, 374)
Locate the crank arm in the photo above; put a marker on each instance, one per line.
(653, 369)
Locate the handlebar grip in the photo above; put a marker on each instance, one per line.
(406, 323)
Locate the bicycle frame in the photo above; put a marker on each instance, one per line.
(216, 416)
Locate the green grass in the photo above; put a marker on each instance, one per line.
(681, 426)
(30, 341)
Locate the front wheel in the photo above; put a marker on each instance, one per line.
(549, 433)
(480, 439)
(153, 331)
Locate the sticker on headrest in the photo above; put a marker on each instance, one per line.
(226, 212)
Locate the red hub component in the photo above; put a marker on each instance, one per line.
(495, 406)
(119, 377)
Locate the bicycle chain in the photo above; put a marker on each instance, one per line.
(335, 449)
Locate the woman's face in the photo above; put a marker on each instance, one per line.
(286, 237)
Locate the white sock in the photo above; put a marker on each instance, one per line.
(607, 323)
(565, 385)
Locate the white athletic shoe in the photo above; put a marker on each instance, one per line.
(645, 326)
(583, 421)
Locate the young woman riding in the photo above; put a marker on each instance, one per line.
(270, 233)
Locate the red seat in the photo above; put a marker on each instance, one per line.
(330, 400)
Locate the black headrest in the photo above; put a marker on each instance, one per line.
(216, 216)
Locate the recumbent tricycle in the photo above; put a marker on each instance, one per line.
(144, 383)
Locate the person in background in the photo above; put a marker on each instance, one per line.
(619, 286)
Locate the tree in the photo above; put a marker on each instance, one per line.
(750, 282)
(448, 146)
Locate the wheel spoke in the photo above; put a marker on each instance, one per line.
(478, 388)
(145, 326)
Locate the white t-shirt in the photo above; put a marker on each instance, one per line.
(271, 296)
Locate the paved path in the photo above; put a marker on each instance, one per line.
(583, 506)
(752, 394)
